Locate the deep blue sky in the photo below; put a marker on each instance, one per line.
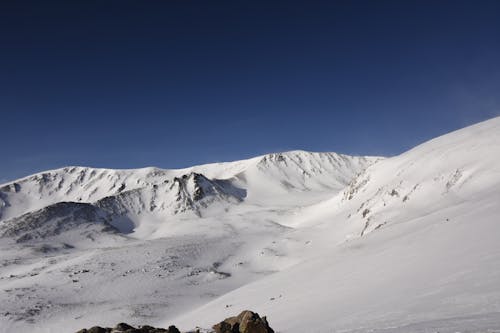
(170, 83)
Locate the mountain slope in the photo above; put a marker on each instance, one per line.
(185, 236)
(56, 219)
(319, 242)
(410, 245)
(151, 194)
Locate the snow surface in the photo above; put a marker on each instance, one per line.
(318, 242)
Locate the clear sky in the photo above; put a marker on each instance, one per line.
(126, 84)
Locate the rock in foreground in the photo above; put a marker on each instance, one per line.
(245, 322)
(126, 328)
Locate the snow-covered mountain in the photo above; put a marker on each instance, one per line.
(319, 242)
(138, 197)
(410, 245)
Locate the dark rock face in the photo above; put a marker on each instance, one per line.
(245, 322)
(14, 187)
(173, 329)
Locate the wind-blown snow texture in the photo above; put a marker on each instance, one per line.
(319, 242)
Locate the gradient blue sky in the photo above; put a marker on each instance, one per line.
(126, 84)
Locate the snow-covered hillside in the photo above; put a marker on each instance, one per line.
(411, 245)
(150, 194)
(191, 234)
(57, 219)
(319, 242)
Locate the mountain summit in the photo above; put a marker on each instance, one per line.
(148, 194)
(318, 241)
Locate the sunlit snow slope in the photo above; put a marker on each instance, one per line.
(411, 245)
(319, 242)
(146, 195)
(82, 246)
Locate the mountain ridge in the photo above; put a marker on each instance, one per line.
(181, 190)
(411, 244)
(374, 245)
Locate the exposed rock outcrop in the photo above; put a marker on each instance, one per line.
(126, 328)
(245, 322)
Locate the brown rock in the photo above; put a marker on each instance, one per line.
(245, 322)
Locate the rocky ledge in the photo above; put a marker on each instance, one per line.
(245, 322)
